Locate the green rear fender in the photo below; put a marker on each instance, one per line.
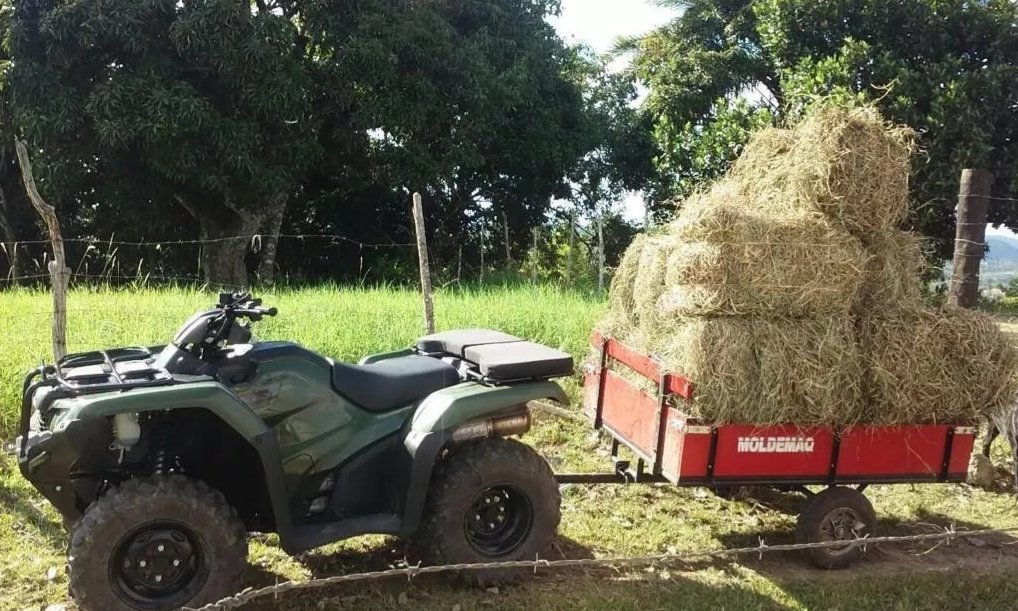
(449, 408)
(438, 415)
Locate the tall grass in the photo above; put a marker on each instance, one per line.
(341, 322)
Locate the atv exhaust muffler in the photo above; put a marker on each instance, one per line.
(493, 427)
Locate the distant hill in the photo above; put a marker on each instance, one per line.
(1002, 249)
(1001, 263)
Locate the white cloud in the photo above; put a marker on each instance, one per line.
(599, 23)
(1004, 231)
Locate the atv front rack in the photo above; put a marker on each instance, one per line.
(89, 373)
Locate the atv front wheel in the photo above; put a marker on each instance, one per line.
(157, 543)
(492, 501)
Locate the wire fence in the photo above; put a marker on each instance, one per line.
(165, 266)
(311, 256)
(947, 535)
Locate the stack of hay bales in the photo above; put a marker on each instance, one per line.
(786, 293)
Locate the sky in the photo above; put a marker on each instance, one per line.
(599, 23)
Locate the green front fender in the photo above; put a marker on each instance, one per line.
(210, 396)
(462, 403)
(205, 395)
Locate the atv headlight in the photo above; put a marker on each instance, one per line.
(39, 396)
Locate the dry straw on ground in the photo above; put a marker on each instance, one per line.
(786, 293)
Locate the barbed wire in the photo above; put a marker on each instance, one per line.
(254, 237)
(411, 572)
(997, 199)
(143, 277)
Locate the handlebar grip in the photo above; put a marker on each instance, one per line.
(256, 312)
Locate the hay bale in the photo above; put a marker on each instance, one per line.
(894, 272)
(936, 366)
(724, 261)
(846, 163)
(767, 371)
(649, 282)
(620, 318)
(785, 293)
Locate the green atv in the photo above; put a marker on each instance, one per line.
(161, 459)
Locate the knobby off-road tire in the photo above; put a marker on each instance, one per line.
(157, 543)
(832, 515)
(491, 501)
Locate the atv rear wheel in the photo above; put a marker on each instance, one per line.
(157, 543)
(491, 501)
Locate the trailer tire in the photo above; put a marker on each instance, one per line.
(491, 501)
(836, 514)
(156, 543)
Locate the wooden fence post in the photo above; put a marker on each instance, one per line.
(422, 257)
(59, 272)
(600, 253)
(570, 269)
(970, 242)
(536, 257)
(508, 249)
(483, 229)
(459, 265)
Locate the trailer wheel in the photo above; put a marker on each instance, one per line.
(491, 501)
(836, 514)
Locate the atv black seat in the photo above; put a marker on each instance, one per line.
(392, 383)
(499, 357)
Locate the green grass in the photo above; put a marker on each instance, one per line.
(597, 521)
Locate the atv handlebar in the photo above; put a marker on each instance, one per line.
(244, 305)
(254, 313)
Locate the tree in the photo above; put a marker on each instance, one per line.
(203, 103)
(948, 68)
(10, 193)
(465, 101)
(617, 144)
(338, 110)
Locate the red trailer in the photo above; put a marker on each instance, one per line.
(670, 446)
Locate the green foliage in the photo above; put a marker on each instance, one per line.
(947, 68)
(696, 154)
(140, 110)
(204, 98)
(617, 141)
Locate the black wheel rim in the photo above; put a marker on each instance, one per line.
(160, 565)
(841, 524)
(499, 522)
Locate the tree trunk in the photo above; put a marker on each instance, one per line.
(222, 258)
(270, 238)
(226, 238)
(9, 242)
(224, 243)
